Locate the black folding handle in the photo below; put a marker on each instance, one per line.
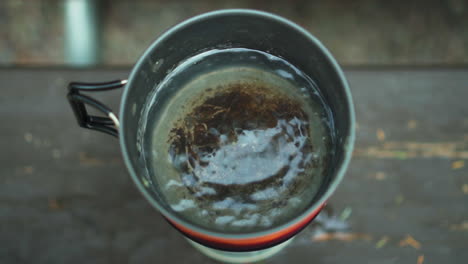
(108, 124)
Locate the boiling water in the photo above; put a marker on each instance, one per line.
(240, 142)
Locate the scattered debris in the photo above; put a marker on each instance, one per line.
(380, 176)
(340, 236)
(55, 204)
(410, 241)
(89, 161)
(465, 188)
(458, 164)
(460, 227)
(382, 242)
(412, 124)
(346, 213)
(28, 137)
(328, 226)
(405, 150)
(380, 134)
(56, 153)
(399, 199)
(331, 223)
(420, 259)
(401, 155)
(28, 169)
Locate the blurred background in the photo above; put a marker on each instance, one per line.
(116, 32)
(65, 196)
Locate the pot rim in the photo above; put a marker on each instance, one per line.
(348, 143)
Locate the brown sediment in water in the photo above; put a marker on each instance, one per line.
(218, 119)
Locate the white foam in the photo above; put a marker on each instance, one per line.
(183, 205)
(224, 204)
(171, 183)
(251, 220)
(264, 194)
(223, 220)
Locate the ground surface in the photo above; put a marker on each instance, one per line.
(65, 195)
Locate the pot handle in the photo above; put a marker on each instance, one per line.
(109, 124)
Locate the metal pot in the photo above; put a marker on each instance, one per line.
(217, 30)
